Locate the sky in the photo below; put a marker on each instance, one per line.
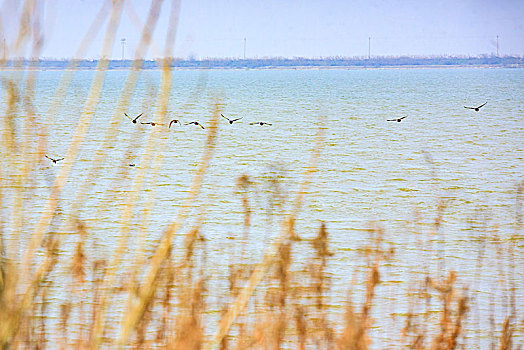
(278, 28)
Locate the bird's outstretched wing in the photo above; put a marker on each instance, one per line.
(236, 119)
(128, 116)
(196, 123)
(391, 120)
(138, 116)
(482, 105)
(405, 116)
(59, 159)
(48, 157)
(223, 116)
(152, 123)
(469, 107)
(174, 121)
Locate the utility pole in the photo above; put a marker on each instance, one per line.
(244, 48)
(123, 41)
(497, 46)
(369, 48)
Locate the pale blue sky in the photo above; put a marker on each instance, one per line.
(291, 28)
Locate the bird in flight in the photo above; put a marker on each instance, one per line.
(260, 123)
(476, 108)
(231, 121)
(397, 119)
(131, 164)
(136, 118)
(151, 123)
(174, 121)
(54, 160)
(196, 123)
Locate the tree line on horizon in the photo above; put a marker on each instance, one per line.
(278, 62)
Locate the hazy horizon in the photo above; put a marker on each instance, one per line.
(294, 58)
(223, 29)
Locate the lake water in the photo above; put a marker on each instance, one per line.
(371, 172)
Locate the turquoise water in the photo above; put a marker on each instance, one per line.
(371, 172)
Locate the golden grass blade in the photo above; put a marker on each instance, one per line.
(147, 289)
(25, 25)
(123, 102)
(78, 137)
(28, 121)
(272, 252)
(134, 18)
(67, 77)
(160, 116)
(150, 149)
(10, 139)
(31, 124)
(28, 129)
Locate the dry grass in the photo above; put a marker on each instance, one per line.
(280, 302)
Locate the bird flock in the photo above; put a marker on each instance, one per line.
(231, 121)
(177, 121)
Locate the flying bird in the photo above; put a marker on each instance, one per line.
(151, 123)
(54, 160)
(136, 118)
(397, 119)
(196, 123)
(131, 164)
(231, 121)
(260, 123)
(175, 121)
(476, 108)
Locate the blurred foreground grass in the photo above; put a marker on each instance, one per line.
(52, 297)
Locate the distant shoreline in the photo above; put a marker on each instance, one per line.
(274, 63)
(42, 69)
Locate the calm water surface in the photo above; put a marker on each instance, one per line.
(371, 172)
